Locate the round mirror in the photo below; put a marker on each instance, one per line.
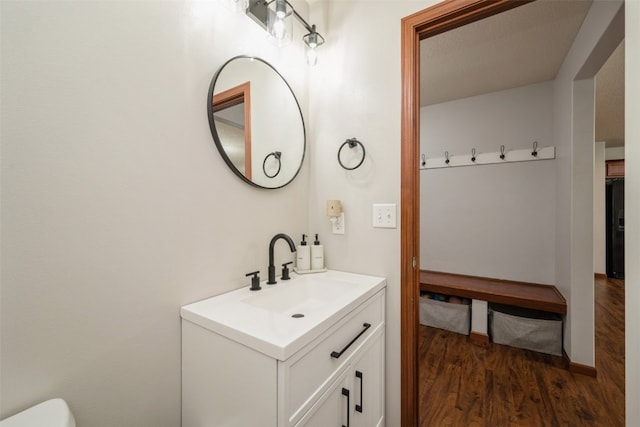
(256, 122)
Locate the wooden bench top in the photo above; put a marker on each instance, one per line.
(521, 294)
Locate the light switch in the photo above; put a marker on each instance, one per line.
(384, 215)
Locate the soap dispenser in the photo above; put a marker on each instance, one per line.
(303, 255)
(317, 255)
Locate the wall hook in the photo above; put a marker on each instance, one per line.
(424, 160)
(502, 152)
(473, 154)
(446, 156)
(534, 153)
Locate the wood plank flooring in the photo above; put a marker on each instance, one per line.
(466, 384)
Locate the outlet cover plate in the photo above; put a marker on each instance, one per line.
(337, 224)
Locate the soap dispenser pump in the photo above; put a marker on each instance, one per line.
(303, 255)
(317, 255)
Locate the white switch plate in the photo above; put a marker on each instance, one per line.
(384, 215)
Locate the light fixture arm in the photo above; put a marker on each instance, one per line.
(258, 10)
(305, 24)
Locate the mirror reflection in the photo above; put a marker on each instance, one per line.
(256, 122)
(232, 117)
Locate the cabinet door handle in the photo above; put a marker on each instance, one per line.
(337, 355)
(359, 375)
(345, 392)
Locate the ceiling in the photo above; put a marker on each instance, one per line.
(522, 46)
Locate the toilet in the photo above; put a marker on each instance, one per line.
(51, 413)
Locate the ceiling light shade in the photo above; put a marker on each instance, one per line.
(280, 21)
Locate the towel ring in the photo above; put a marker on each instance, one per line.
(353, 143)
(277, 155)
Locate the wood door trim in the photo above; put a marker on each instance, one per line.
(439, 18)
(229, 98)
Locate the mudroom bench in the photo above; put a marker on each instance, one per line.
(483, 291)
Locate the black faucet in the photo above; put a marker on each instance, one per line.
(272, 268)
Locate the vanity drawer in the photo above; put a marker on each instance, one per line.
(311, 371)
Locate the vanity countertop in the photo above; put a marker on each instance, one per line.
(264, 320)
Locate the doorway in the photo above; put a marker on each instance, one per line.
(432, 21)
(426, 23)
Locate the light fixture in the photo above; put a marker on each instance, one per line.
(276, 17)
(279, 22)
(312, 40)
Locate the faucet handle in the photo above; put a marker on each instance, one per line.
(255, 280)
(285, 271)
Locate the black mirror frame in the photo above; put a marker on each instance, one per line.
(216, 137)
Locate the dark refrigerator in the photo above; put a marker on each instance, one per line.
(615, 228)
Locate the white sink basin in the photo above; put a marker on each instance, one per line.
(305, 296)
(280, 319)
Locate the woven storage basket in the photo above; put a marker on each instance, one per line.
(443, 315)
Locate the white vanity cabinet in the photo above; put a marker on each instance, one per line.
(356, 398)
(228, 383)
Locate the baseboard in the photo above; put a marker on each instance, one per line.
(579, 368)
(478, 338)
(600, 276)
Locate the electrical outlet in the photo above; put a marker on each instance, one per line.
(384, 215)
(337, 224)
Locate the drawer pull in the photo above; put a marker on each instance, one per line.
(337, 355)
(345, 392)
(359, 375)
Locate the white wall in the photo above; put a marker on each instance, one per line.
(573, 133)
(632, 210)
(614, 153)
(116, 206)
(112, 190)
(355, 90)
(493, 220)
(599, 217)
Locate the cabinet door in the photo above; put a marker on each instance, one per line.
(367, 403)
(332, 409)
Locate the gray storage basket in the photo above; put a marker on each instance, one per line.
(525, 328)
(444, 315)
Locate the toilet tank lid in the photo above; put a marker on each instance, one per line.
(52, 413)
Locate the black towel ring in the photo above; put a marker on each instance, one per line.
(353, 143)
(277, 155)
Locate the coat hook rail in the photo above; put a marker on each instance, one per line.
(502, 156)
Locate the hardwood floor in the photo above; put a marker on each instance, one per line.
(466, 384)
